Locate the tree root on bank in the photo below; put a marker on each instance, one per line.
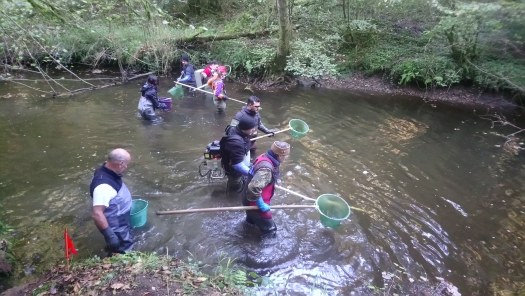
(282, 80)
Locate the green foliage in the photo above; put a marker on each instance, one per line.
(427, 70)
(461, 28)
(359, 33)
(310, 58)
(380, 59)
(43, 289)
(245, 57)
(501, 75)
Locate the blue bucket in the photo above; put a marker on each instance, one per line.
(139, 213)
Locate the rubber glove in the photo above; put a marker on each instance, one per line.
(111, 239)
(178, 79)
(242, 168)
(225, 97)
(262, 205)
(162, 106)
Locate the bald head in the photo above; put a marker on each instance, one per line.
(118, 160)
(118, 154)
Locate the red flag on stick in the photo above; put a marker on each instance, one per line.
(70, 248)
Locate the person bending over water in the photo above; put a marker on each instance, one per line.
(149, 101)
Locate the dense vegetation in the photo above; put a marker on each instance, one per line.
(434, 43)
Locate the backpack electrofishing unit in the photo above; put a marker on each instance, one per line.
(211, 166)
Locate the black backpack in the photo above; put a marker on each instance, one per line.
(225, 157)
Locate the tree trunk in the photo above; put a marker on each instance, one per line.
(285, 36)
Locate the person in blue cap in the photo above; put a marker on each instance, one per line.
(187, 74)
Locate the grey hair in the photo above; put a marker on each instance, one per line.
(117, 155)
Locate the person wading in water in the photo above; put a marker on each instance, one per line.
(252, 109)
(149, 101)
(112, 202)
(235, 147)
(260, 186)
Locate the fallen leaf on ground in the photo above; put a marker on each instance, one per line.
(117, 286)
(76, 287)
(106, 266)
(200, 279)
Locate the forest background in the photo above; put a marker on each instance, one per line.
(422, 43)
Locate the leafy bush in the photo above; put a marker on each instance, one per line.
(310, 58)
(380, 59)
(501, 75)
(429, 70)
(244, 57)
(359, 33)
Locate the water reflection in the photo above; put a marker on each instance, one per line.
(442, 200)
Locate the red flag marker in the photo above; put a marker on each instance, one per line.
(70, 248)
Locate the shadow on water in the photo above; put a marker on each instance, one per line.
(443, 199)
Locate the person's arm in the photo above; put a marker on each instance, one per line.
(98, 217)
(206, 72)
(242, 168)
(261, 179)
(264, 129)
(102, 195)
(151, 95)
(235, 147)
(188, 72)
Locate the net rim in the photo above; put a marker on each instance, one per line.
(338, 219)
(304, 123)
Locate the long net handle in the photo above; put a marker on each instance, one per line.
(244, 208)
(267, 135)
(206, 91)
(295, 193)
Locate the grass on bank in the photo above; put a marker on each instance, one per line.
(139, 273)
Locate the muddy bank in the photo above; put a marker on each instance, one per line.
(458, 95)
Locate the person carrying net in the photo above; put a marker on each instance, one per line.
(216, 83)
(260, 186)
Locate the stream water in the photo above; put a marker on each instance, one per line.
(444, 200)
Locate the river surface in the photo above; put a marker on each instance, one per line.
(442, 198)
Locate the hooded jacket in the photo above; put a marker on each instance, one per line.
(149, 97)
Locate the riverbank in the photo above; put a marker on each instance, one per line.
(458, 95)
(134, 274)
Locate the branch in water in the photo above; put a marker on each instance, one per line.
(47, 92)
(500, 119)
